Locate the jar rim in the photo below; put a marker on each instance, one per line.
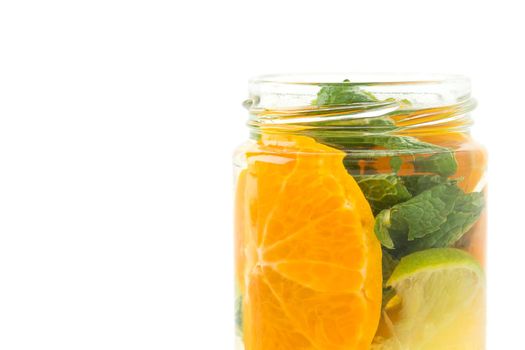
(364, 79)
(290, 98)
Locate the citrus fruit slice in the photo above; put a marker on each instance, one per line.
(311, 265)
(439, 303)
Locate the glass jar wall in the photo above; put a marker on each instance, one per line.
(360, 215)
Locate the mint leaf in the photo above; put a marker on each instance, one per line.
(341, 94)
(370, 138)
(467, 210)
(416, 184)
(382, 191)
(382, 227)
(395, 163)
(441, 161)
(426, 157)
(428, 211)
(437, 217)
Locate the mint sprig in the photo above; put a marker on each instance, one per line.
(437, 217)
(372, 138)
(342, 94)
(383, 191)
(413, 212)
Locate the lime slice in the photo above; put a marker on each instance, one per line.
(439, 303)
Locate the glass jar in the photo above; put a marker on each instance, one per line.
(360, 215)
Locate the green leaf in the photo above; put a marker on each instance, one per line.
(442, 161)
(428, 211)
(437, 217)
(416, 184)
(372, 138)
(342, 94)
(382, 229)
(382, 191)
(395, 163)
(467, 210)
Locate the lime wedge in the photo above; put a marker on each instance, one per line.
(439, 303)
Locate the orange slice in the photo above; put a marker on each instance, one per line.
(308, 262)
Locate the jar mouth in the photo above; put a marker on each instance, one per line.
(291, 98)
(362, 78)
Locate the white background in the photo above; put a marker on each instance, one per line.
(117, 124)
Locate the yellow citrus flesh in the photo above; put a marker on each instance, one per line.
(439, 303)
